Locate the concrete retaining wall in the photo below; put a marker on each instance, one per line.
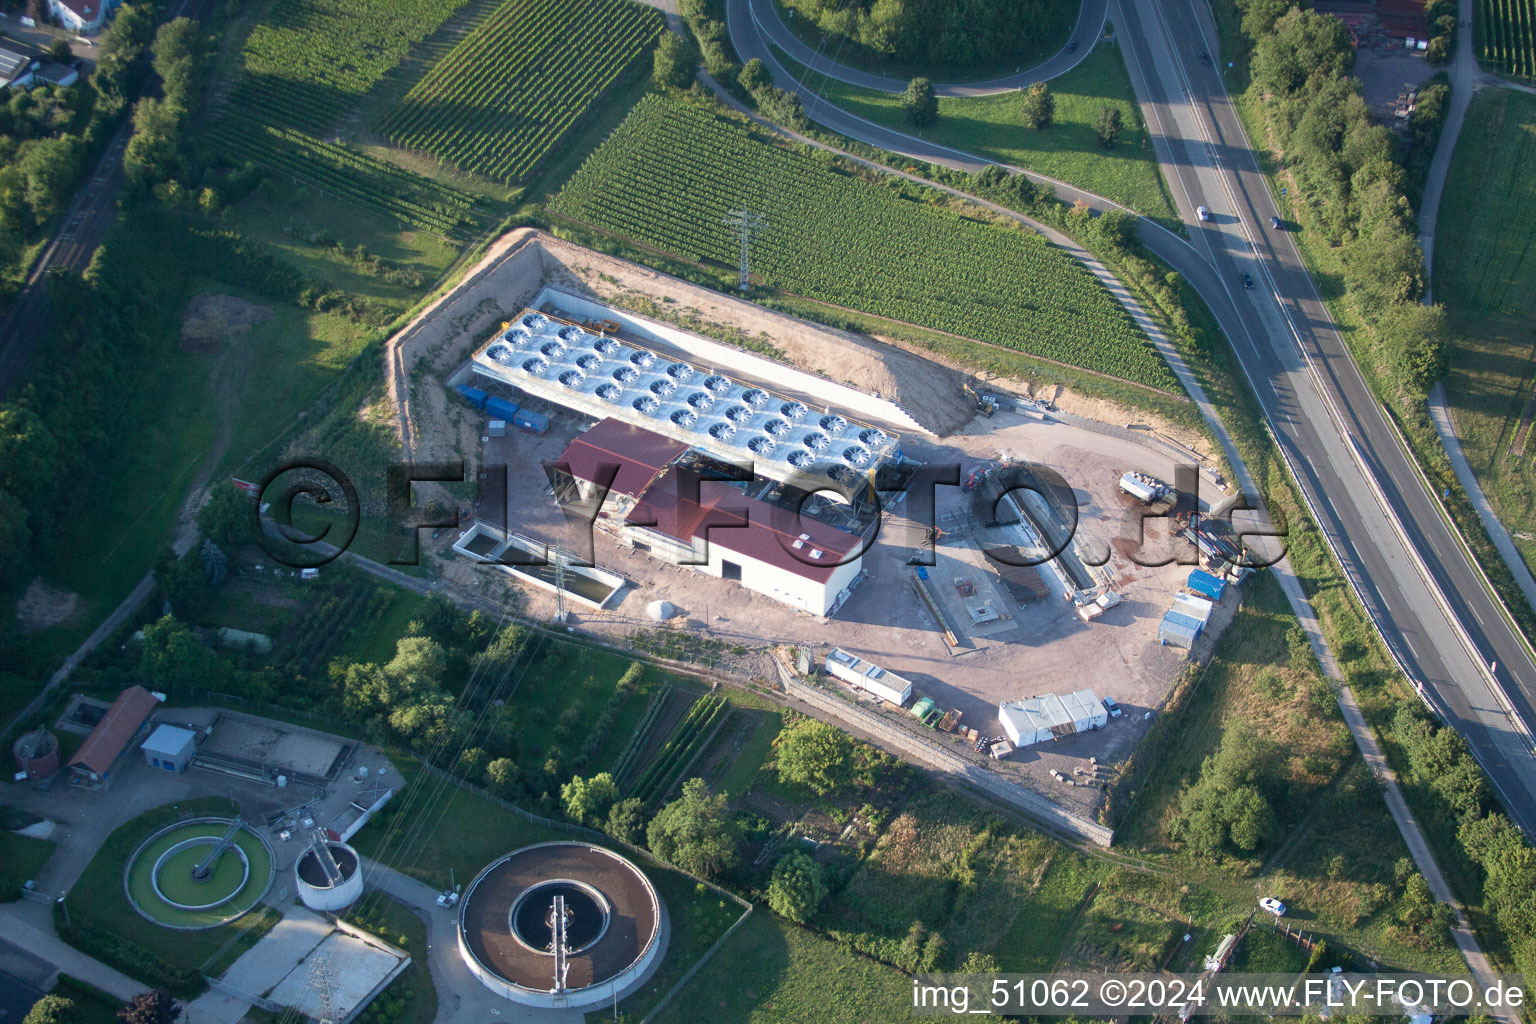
(1027, 801)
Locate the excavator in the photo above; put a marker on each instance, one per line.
(985, 404)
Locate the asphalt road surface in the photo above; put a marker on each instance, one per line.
(1424, 594)
(1090, 24)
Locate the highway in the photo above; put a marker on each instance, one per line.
(84, 224)
(1404, 561)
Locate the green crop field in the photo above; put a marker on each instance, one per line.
(349, 175)
(310, 61)
(307, 67)
(992, 127)
(1506, 32)
(666, 177)
(507, 94)
(1485, 273)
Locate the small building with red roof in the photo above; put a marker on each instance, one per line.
(114, 735)
(714, 527)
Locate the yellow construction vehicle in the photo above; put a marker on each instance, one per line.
(985, 404)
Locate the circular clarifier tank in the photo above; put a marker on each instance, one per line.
(612, 920)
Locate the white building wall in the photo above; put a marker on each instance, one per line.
(780, 584)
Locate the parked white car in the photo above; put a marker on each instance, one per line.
(1272, 905)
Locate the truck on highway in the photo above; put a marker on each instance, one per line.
(869, 677)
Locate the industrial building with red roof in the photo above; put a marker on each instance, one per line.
(113, 735)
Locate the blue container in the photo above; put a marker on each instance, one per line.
(1202, 582)
(500, 409)
(475, 395)
(530, 422)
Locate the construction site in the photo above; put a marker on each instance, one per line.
(631, 474)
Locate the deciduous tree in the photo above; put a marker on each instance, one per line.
(920, 103)
(816, 754)
(797, 887)
(674, 63)
(696, 831)
(587, 801)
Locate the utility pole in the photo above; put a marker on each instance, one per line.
(744, 224)
(559, 585)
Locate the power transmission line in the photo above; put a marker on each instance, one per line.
(744, 224)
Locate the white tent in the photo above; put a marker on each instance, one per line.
(1037, 719)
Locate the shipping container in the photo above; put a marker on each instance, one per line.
(530, 422)
(1202, 582)
(475, 396)
(500, 409)
(1144, 489)
(863, 675)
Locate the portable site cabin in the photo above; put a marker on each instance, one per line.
(1037, 719)
(1172, 632)
(1202, 582)
(863, 675)
(1144, 489)
(1196, 608)
(475, 396)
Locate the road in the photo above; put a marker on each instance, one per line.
(1423, 591)
(1089, 26)
(81, 230)
(1409, 568)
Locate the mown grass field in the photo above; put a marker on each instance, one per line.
(773, 972)
(990, 126)
(1485, 275)
(21, 858)
(100, 921)
(667, 177)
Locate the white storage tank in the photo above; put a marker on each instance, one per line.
(328, 876)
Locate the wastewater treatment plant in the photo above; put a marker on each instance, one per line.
(199, 873)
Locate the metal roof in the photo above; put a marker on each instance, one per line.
(1051, 711)
(1197, 608)
(639, 455)
(115, 730)
(12, 62)
(169, 739)
(784, 438)
(682, 509)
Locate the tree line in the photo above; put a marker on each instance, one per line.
(1349, 173)
(941, 34)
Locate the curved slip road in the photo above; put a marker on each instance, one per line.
(1089, 26)
(1405, 562)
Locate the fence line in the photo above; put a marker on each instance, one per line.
(700, 962)
(1029, 802)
